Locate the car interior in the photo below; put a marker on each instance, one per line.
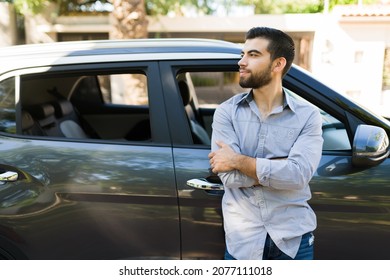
(195, 121)
(74, 107)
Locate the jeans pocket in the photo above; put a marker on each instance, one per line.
(306, 248)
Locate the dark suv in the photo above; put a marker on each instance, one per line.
(100, 142)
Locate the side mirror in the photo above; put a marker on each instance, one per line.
(370, 146)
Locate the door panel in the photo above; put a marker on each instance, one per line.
(200, 211)
(89, 201)
(352, 207)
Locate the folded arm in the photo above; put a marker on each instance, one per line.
(237, 170)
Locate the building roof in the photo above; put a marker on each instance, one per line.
(380, 10)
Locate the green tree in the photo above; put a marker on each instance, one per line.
(166, 6)
(29, 6)
(129, 17)
(152, 7)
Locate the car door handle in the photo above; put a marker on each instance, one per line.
(9, 176)
(205, 185)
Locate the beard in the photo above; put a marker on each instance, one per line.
(258, 79)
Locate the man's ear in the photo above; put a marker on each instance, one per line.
(279, 64)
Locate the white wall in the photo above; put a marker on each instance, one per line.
(349, 55)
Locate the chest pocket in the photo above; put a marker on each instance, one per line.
(283, 137)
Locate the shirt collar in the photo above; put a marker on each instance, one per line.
(287, 100)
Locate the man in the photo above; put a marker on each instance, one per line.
(266, 146)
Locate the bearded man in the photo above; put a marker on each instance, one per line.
(266, 146)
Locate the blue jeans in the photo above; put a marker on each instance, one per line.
(272, 252)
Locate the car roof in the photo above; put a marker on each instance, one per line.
(62, 53)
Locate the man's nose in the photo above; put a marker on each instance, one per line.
(241, 61)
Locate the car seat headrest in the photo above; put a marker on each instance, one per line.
(44, 114)
(41, 111)
(62, 108)
(27, 120)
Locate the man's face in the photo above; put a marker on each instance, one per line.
(255, 64)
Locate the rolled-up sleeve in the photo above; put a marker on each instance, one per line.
(297, 170)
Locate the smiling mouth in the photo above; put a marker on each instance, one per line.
(243, 72)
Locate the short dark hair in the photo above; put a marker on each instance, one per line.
(280, 44)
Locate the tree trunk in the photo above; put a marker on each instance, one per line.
(128, 20)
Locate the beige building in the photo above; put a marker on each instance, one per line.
(346, 48)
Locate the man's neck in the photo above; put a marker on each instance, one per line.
(268, 98)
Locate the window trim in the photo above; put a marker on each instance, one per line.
(2, 79)
(158, 121)
(169, 70)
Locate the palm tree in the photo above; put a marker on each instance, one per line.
(128, 19)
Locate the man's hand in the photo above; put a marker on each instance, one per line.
(223, 159)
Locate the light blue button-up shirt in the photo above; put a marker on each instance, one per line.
(278, 206)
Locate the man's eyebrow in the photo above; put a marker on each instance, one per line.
(252, 51)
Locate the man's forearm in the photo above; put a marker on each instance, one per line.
(225, 159)
(246, 165)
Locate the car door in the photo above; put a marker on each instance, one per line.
(86, 198)
(351, 202)
(200, 210)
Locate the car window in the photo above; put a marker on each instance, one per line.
(212, 88)
(205, 90)
(7, 106)
(124, 89)
(119, 89)
(334, 132)
(106, 106)
(201, 92)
